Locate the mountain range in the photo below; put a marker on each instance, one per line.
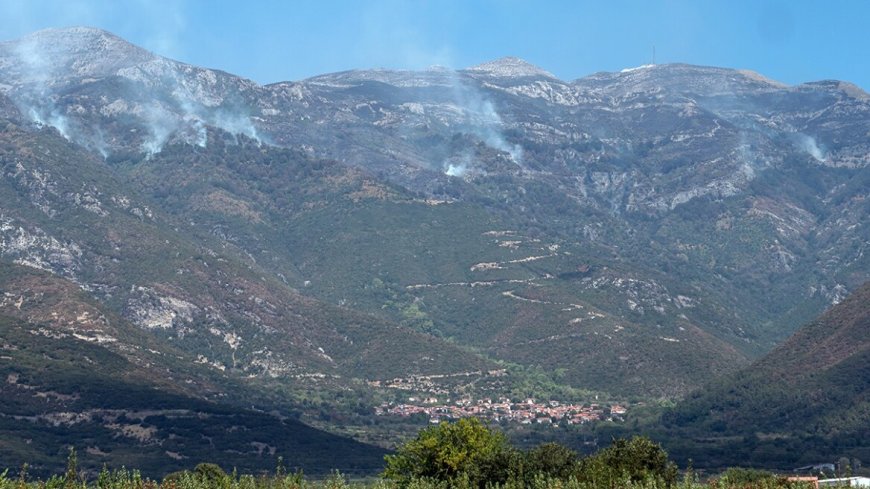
(491, 230)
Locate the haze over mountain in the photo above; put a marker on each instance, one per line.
(635, 234)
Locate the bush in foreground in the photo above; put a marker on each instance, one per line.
(466, 450)
(461, 455)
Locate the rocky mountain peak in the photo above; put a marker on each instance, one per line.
(53, 55)
(509, 67)
(680, 78)
(69, 38)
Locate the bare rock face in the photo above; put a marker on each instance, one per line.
(509, 67)
(82, 80)
(183, 229)
(59, 57)
(687, 205)
(36, 249)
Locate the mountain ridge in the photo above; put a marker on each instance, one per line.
(367, 236)
(480, 143)
(93, 39)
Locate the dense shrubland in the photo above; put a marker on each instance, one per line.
(461, 455)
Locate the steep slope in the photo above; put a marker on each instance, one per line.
(142, 100)
(677, 173)
(697, 214)
(806, 401)
(66, 212)
(446, 268)
(76, 374)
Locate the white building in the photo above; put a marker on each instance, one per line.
(846, 482)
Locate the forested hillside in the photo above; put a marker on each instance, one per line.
(808, 401)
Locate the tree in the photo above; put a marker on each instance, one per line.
(209, 471)
(637, 459)
(551, 460)
(844, 467)
(465, 450)
(71, 476)
(740, 477)
(205, 472)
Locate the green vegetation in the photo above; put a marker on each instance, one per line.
(349, 239)
(54, 397)
(464, 455)
(808, 397)
(248, 286)
(469, 454)
(465, 450)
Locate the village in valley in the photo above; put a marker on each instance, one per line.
(429, 397)
(527, 411)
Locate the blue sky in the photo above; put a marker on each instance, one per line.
(269, 41)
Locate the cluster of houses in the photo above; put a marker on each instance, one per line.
(528, 411)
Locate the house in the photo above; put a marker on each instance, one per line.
(845, 482)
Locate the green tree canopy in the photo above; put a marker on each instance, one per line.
(466, 449)
(551, 460)
(638, 459)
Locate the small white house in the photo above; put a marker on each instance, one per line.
(846, 482)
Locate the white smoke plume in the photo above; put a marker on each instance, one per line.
(35, 99)
(183, 119)
(458, 166)
(182, 116)
(751, 161)
(456, 170)
(745, 155)
(187, 122)
(809, 145)
(49, 116)
(482, 120)
(160, 124)
(196, 132)
(236, 124)
(98, 142)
